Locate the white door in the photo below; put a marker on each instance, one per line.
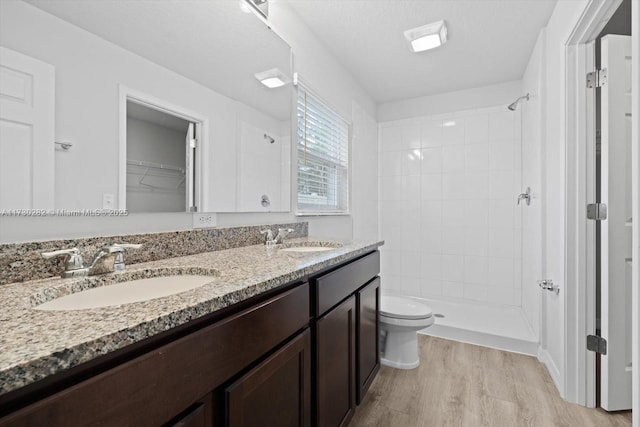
(615, 379)
(27, 111)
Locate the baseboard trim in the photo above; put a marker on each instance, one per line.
(545, 358)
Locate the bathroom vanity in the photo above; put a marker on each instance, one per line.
(277, 338)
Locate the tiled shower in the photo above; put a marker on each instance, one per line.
(448, 189)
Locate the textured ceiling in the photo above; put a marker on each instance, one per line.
(490, 41)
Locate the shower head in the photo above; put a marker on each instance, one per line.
(515, 103)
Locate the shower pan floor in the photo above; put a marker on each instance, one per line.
(494, 326)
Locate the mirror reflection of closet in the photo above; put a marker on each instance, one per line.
(160, 161)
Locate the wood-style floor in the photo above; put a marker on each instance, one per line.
(461, 384)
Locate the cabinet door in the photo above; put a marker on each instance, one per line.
(200, 414)
(277, 392)
(367, 327)
(336, 334)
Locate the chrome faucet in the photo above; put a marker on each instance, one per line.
(108, 259)
(282, 233)
(268, 237)
(269, 240)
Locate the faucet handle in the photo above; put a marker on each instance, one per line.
(73, 259)
(120, 247)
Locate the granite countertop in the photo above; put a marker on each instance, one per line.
(35, 344)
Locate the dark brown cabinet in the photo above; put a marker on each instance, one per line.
(200, 414)
(336, 336)
(277, 392)
(346, 340)
(367, 327)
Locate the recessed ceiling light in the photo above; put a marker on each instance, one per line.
(272, 78)
(427, 37)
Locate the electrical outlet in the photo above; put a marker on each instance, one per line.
(108, 201)
(204, 219)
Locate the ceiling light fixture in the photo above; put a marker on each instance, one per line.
(272, 78)
(427, 37)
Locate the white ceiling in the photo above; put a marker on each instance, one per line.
(490, 41)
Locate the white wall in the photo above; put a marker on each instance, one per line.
(324, 74)
(468, 99)
(532, 128)
(448, 187)
(364, 180)
(151, 142)
(88, 117)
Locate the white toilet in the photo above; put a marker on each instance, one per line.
(400, 320)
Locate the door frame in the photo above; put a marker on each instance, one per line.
(635, 185)
(202, 133)
(580, 375)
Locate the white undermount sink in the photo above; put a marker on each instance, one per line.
(126, 292)
(307, 249)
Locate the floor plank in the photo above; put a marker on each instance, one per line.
(461, 385)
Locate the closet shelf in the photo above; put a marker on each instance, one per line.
(153, 165)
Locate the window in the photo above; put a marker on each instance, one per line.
(323, 157)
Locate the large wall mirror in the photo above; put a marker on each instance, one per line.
(156, 106)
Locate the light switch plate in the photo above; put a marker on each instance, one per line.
(204, 219)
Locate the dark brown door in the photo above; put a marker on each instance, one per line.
(367, 330)
(277, 392)
(336, 335)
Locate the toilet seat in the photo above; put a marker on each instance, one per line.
(403, 308)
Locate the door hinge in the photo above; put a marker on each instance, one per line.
(193, 143)
(597, 211)
(597, 344)
(597, 78)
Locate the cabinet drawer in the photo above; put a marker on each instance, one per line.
(333, 287)
(153, 388)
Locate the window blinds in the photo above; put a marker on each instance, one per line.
(323, 157)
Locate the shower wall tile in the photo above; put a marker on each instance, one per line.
(476, 213)
(476, 185)
(448, 186)
(476, 157)
(431, 266)
(477, 129)
(475, 293)
(431, 187)
(453, 158)
(431, 288)
(453, 289)
(432, 160)
(453, 131)
(452, 268)
(431, 133)
(411, 136)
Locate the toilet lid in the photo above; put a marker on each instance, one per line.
(403, 308)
